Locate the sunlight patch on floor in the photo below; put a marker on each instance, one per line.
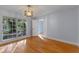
(2, 49)
(40, 36)
(10, 48)
(20, 44)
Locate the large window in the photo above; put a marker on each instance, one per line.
(13, 27)
(21, 27)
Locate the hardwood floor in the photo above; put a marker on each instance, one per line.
(39, 45)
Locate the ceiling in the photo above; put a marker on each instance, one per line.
(38, 10)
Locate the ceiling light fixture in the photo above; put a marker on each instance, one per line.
(28, 12)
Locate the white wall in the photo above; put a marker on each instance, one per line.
(63, 25)
(34, 27)
(29, 27)
(1, 28)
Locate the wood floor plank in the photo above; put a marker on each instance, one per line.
(35, 44)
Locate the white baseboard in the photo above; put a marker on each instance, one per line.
(73, 43)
